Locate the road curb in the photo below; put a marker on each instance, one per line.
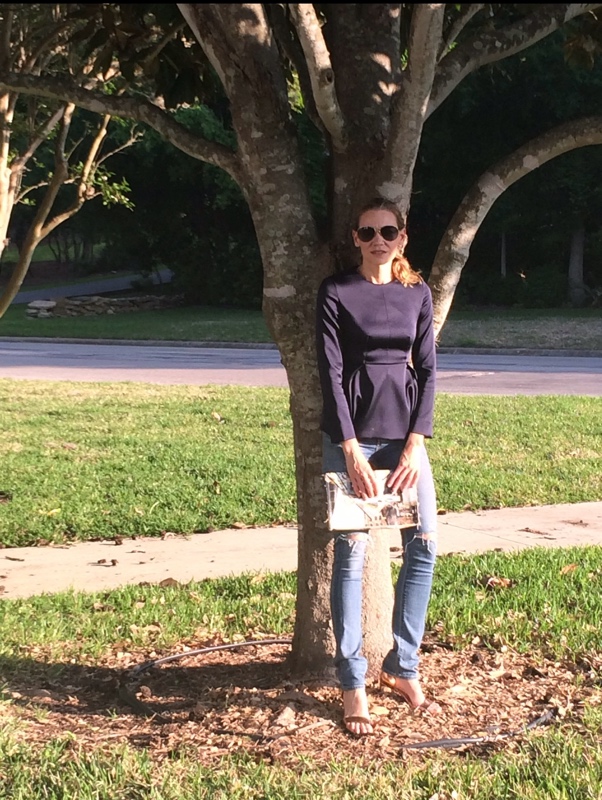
(143, 342)
(456, 351)
(516, 351)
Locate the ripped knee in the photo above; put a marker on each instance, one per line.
(360, 536)
(428, 539)
(352, 538)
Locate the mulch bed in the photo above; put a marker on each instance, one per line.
(244, 701)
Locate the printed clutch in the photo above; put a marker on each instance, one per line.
(346, 512)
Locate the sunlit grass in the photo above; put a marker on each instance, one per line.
(549, 611)
(555, 329)
(557, 765)
(192, 323)
(81, 460)
(551, 606)
(549, 328)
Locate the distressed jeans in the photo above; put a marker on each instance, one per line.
(413, 588)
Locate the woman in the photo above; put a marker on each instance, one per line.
(376, 354)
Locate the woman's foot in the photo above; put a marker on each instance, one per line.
(356, 716)
(410, 691)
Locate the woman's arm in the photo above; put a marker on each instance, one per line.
(424, 360)
(406, 475)
(330, 364)
(336, 408)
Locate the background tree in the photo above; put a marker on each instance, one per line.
(198, 224)
(370, 76)
(493, 112)
(33, 39)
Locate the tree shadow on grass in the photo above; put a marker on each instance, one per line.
(245, 701)
(219, 700)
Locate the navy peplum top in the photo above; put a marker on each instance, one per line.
(376, 356)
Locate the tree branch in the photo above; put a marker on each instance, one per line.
(286, 38)
(133, 138)
(42, 47)
(410, 103)
(74, 145)
(487, 47)
(29, 189)
(457, 239)
(458, 25)
(38, 228)
(137, 108)
(90, 161)
(162, 43)
(5, 35)
(40, 136)
(321, 73)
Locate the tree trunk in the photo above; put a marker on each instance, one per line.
(313, 643)
(37, 231)
(7, 186)
(577, 289)
(377, 612)
(18, 273)
(295, 262)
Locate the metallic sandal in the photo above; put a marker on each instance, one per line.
(428, 706)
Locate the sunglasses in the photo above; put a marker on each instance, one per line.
(367, 233)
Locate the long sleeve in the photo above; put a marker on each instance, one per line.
(367, 333)
(425, 364)
(330, 364)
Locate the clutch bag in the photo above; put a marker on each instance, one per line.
(346, 512)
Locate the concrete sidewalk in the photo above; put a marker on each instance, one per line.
(93, 566)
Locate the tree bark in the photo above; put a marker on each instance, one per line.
(294, 263)
(466, 13)
(410, 104)
(320, 70)
(7, 186)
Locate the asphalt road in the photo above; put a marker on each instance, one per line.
(461, 374)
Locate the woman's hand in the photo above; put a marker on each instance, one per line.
(360, 472)
(407, 472)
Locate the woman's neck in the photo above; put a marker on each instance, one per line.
(376, 273)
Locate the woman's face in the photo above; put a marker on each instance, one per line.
(379, 250)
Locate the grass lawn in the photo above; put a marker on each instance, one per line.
(71, 724)
(43, 252)
(191, 324)
(75, 281)
(84, 461)
(555, 329)
(546, 328)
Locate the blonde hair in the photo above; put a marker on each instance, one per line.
(402, 270)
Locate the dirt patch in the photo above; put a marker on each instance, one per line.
(244, 701)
